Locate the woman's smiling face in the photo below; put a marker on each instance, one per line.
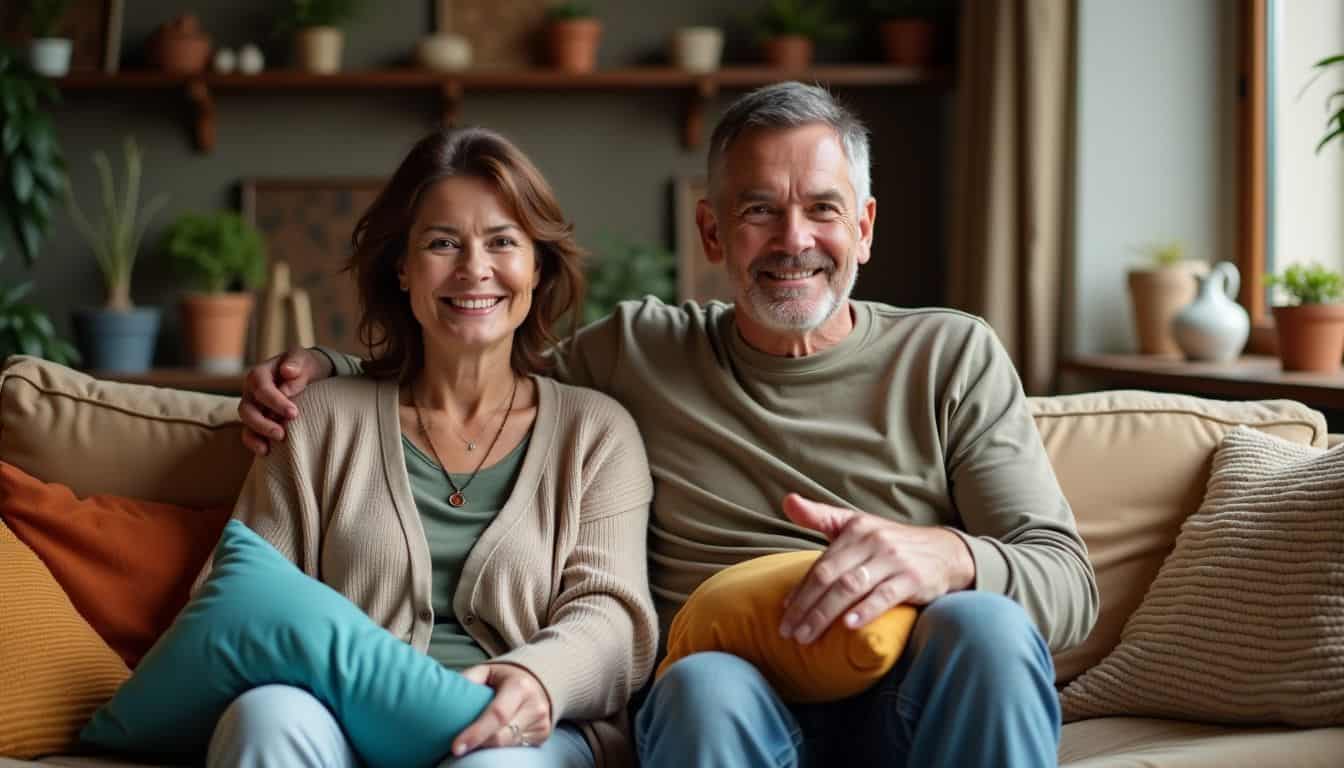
(470, 268)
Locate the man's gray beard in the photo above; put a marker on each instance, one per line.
(780, 311)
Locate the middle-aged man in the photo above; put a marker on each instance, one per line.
(899, 440)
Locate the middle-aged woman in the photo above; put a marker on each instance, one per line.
(486, 514)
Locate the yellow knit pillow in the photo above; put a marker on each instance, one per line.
(56, 669)
(738, 611)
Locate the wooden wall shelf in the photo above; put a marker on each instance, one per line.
(451, 88)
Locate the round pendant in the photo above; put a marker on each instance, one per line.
(471, 446)
(457, 499)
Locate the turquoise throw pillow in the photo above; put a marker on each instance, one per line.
(259, 620)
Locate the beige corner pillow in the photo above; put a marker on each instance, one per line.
(1245, 620)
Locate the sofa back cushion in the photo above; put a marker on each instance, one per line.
(99, 437)
(1133, 466)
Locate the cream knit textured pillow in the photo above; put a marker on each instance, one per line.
(1245, 621)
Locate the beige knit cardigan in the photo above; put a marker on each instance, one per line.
(556, 584)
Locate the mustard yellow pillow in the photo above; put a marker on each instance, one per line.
(738, 611)
(56, 669)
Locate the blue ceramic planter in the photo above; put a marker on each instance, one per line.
(117, 341)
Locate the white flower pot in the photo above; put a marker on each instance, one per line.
(697, 49)
(318, 49)
(444, 53)
(50, 56)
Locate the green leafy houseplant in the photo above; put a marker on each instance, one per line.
(569, 11)
(1309, 284)
(1167, 254)
(32, 170)
(812, 19)
(625, 270)
(44, 15)
(301, 14)
(1334, 122)
(26, 330)
(115, 236)
(216, 252)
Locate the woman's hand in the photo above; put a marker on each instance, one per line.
(267, 390)
(519, 715)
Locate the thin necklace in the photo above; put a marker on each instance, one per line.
(458, 499)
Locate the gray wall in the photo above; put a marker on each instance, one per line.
(610, 156)
(1155, 148)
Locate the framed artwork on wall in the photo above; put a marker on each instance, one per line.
(307, 223)
(697, 279)
(504, 34)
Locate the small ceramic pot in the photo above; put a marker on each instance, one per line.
(318, 49)
(444, 53)
(697, 49)
(50, 56)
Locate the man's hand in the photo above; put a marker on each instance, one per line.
(267, 390)
(518, 716)
(871, 566)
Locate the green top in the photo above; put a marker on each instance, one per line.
(452, 532)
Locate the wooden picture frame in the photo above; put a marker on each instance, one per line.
(504, 34)
(697, 279)
(307, 224)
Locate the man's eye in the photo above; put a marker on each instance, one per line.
(826, 209)
(757, 210)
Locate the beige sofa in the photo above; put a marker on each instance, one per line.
(1133, 464)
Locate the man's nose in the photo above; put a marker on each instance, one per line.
(797, 236)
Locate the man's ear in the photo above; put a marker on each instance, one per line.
(867, 219)
(708, 223)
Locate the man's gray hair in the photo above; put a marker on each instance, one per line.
(792, 105)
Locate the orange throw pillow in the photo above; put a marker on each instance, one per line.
(55, 668)
(127, 565)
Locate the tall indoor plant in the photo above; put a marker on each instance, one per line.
(118, 336)
(223, 258)
(790, 29)
(1310, 326)
(318, 35)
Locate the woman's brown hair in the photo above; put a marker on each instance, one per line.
(386, 325)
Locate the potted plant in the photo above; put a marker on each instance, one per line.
(223, 258)
(180, 46)
(1310, 326)
(32, 169)
(624, 270)
(26, 330)
(318, 37)
(908, 30)
(697, 49)
(119, 336)
(572, 36)
(790, 29)
(1158, 290)
(47, 54)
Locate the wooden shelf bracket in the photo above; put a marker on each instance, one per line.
(450, 98)
(203, 115)
(693, 128)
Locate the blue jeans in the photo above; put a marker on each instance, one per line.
(285, 727)
(974, 689)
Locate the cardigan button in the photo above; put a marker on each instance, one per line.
(426, 615)
(469, 618)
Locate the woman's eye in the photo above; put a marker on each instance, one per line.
(504, 242)
(441, 243)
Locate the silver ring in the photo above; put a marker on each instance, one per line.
(863, 576)
(517, 734)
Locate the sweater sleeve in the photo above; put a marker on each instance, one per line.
(1017, 524)
(597, 648)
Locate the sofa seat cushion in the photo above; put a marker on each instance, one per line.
(1137, 742)
(1134, 466)
(129, 440)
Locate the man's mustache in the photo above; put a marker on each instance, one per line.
(803, 262)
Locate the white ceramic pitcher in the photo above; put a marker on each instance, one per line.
(1214, 326)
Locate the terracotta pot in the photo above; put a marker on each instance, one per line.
(908, 42)
(573, 44)
(789, 52)
(1311, 337)
(180, 47)
(215, 328)
(318, 49)
(1156, 296)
